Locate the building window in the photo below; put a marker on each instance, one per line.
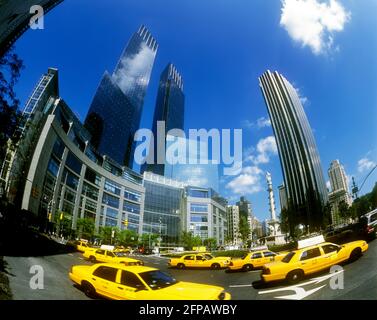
(132, 195)
(133, 218)
(196, 207)
(92, 177)
(198, 218)
(70, 179)
(110, 200)
(112, 187)
(111, 213)
(73, 163)
(131, 207)
(53, 167)
(198, 193)
(90, 191)
(58, 148)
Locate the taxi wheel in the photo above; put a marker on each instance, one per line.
(355, 254)
(180, 266)
(295, 276)
(247, 267)
(215, 266)
(88, 289)
(92, 259)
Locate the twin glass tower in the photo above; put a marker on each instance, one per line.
(115, 113)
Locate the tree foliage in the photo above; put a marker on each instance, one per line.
(244, 229)
(10, 116)
(189, 240)
(86, 227)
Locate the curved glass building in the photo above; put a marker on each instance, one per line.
(298, 152)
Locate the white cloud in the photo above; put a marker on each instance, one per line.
(328, 185)
(132, 68)
(365, 164)
(265, 148)
(313, 23)
(262, 122)
(248, 182)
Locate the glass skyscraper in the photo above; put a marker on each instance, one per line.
(193, 168)
(170, 108)
(162, 208)
(303, 176)
(115, 113)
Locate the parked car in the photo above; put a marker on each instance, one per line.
(369, 224)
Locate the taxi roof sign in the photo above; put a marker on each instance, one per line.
(310, 242)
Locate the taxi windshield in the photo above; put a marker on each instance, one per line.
(207, 256)
(157, 280)
(288, 257)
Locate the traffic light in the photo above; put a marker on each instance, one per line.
(61, 216)
(49, 216)
(125, 222)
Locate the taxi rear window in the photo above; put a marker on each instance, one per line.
(288, 257)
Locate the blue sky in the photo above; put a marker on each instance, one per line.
(220, 47)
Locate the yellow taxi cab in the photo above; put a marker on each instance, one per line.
(82, 245)
(199, 260)
(103, 255)
(310, 257)
(253, 260)
(119, 282)
(122, 249)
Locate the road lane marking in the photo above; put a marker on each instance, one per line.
(240, 285)
(301, 293)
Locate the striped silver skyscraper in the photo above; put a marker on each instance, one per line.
(295, 141)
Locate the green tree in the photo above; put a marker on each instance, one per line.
(210, 243)
(10, 116)
(127, 237)
(86, 227)
(189, 241)
(105, 234)
(147, 240)
(244, 229)
(343, 210)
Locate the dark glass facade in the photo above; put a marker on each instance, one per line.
(170, 108)
(115, 113)
(298, 152)
(162, 207)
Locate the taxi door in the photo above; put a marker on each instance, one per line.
(312, 260)
(268, 256)
(130, 287)
(201, 261)
(100, 255)
(256, 259)
(189, 261)
(331, 254)
(104, 279)
(109, 256)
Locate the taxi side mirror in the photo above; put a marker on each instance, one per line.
(140, 287)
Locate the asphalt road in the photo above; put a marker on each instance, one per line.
(359, 277)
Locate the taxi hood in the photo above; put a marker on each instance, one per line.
(194, 291)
